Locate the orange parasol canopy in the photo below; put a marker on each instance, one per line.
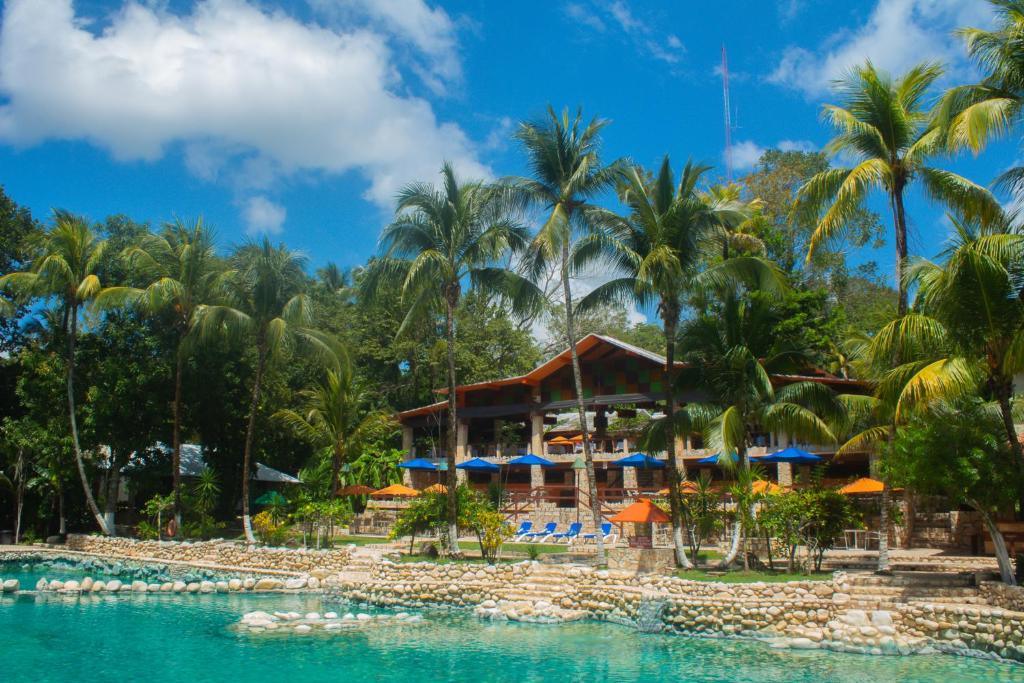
(686, 488)
(436, 488)
(641, 511)
(762, 486)
(560, 441)
(862, 485)
(395, 491)
(354, 490)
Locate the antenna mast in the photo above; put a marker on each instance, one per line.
(728, 116)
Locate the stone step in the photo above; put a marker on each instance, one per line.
(911, 591)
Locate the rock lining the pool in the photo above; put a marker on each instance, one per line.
(116, 586)
(314, 622)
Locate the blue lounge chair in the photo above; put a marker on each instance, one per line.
(606, 534)
(524, 528)
(568, 536)
(548, 529)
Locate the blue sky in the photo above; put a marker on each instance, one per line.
(301, 118)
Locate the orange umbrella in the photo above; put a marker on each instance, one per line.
(560, 441)
(436, 488)
(686, 488)
(762, 486)
(354, 490)
(862, 485)
(395, 491)
(577, 439)
(640, 512)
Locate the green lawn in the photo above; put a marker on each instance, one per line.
(360, 540)
(542, 548)
(751, 576)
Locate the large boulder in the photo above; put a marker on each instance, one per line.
(11, 586)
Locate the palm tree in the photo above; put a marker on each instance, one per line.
(657, 250)
(564, 157)
(333, 417)
(731, 354)
(265, 303)
(971, 115)
(183, 272)
(65, 270)
(443, 240)
(883, 125)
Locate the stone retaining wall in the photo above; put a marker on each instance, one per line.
(1000, 595)
(417, 584)
(225, 553)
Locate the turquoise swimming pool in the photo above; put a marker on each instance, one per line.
(189, 638)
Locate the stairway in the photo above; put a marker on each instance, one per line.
(872, 592)
(543, 584)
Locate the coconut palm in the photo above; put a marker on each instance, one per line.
(567, 175)
(971, 115)
(184, 273)
(265, 304)
(884, 126)
(65, 271)
(657, 249)
(333, 416)
(731, 354)
(444, 240)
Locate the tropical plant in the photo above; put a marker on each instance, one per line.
(971, 115)
(155, 508)
(701, 509)
(266, 304)
(269, 529)
(883, 124)
(657, 249)
(442, 241)
(567, 176)
(378, 468)
(813, 517)
(731, 355)
(65, 271)
(183, 272)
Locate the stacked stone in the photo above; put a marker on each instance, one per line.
(90, 585)
(293, 622)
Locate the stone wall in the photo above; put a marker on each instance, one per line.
(1000, 595)
(222, 553)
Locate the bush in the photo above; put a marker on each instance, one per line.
(813, 517)
(268, 530)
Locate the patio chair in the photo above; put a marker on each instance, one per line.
(570, 535)
(543, 534)
(524, 528)
(606, 534)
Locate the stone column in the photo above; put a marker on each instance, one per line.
(785, 468)
(461, 449)
(498, 424)
(625, 445)
(410, 453)
(536, 476)
(537, 433)
(629, 477)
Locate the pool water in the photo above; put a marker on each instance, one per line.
(189, 638)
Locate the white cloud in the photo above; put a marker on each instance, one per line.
(602, 15)
(897, 35)
(250, 94)
(796, 146)
(745, 154)
(263, 217)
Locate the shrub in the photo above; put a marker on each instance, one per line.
(268, 530)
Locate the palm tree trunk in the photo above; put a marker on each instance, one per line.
(112, 485)
(20, 484)
(451, 300)
(737, 530)
(62, 519)
(335, 470)
(179, 371)
(999, 543)
(577, 375)
(79, 461)
(261, 361)
(884, 560)
(670, 316)
(900, 224)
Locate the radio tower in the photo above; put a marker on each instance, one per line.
(728, 116)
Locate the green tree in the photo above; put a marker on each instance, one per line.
(884, 125)
(181, 270)
(267, 305)
(567, 175)
(64, 270)
(442, 240)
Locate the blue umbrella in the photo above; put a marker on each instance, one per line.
(418, 464)
(478, 465)
(531, 459)
(713, 459)
(639, 460)
(791, 455)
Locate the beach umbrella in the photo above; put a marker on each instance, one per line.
(436, 488)
(530, 459)
(418, 464)
(560, 441)
(640, 460)
(271, 498)
(641, 512)
(355, 490)
(686, 488)
(576, 439)
(762, 486)
(478, 465)
(713, 459)
(862, 485)
(395, 491)
(791, 455)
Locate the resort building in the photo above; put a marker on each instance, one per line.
(535, 413)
